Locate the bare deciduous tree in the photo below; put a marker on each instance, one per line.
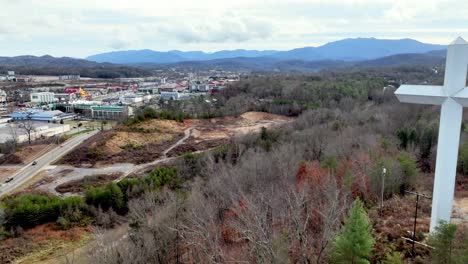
(27, 125)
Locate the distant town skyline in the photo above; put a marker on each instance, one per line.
(80, 28)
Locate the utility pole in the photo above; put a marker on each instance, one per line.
(416, 215)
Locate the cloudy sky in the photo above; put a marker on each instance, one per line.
(78, 28)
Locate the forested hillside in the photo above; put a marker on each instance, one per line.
(48, 65)
(283, 195)
(306, 192)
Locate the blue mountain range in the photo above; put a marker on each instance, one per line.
(356, 49)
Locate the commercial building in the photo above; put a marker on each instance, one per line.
(40, 115)
(65, 97)
(106, 112)
(170, 95)
(200, 87)
(3, 96)
(131, 98)
(148, 90)
(69, 77)
(43, 97)
(38, 130)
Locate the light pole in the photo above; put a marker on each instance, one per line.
(382, 191)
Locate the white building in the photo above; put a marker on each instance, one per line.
(131, 98)
(204, 87)
(39, 130)
(65, 97)
(3, 96)
(170, 95)
(44, 97)
(69, 77)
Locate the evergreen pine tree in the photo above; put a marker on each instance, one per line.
(392, 258)
(354, 243)
(442, 241)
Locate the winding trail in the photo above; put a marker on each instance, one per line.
(187, 132)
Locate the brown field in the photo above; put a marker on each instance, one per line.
(40, 243)
(26, 154)
(6, 172)
(145, 142)
(11, 163)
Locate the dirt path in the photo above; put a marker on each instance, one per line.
(187, 132)
(66, 173)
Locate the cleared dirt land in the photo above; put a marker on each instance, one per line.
(136, 144)
(127, 150)
(145, 142)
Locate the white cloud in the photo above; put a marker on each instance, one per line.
(60, 27)
(224, 28)
(404, 10)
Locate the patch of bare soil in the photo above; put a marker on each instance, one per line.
(192, 146)
(42, 181)
(28, 153)
(25, 154)
(78, 186)
(262, 116)
(144, 142)
(11, 159)
(6, 172)
(145, 154)
(137, 144)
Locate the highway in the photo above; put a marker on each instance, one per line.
(29, 170)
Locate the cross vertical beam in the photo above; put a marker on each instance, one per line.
(452, 96)
(446, 161)
(449, 133)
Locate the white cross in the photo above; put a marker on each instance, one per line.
(452, 96)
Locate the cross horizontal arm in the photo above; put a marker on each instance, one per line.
(421, 94)
(462, 97)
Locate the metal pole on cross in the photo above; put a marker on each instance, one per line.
(416, 216)
(452, 96)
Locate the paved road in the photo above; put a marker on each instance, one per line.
(29, 170)
(125, 168)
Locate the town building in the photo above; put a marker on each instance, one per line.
(42, 97)
(148, 90)
(107, 112)
(39, 130)
(65, 97)
(3, 97)
(40, 115)
(131, 98)
(204, 87)
(69, 77)
(170, 95)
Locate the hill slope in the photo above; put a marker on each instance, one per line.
(48, 65)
